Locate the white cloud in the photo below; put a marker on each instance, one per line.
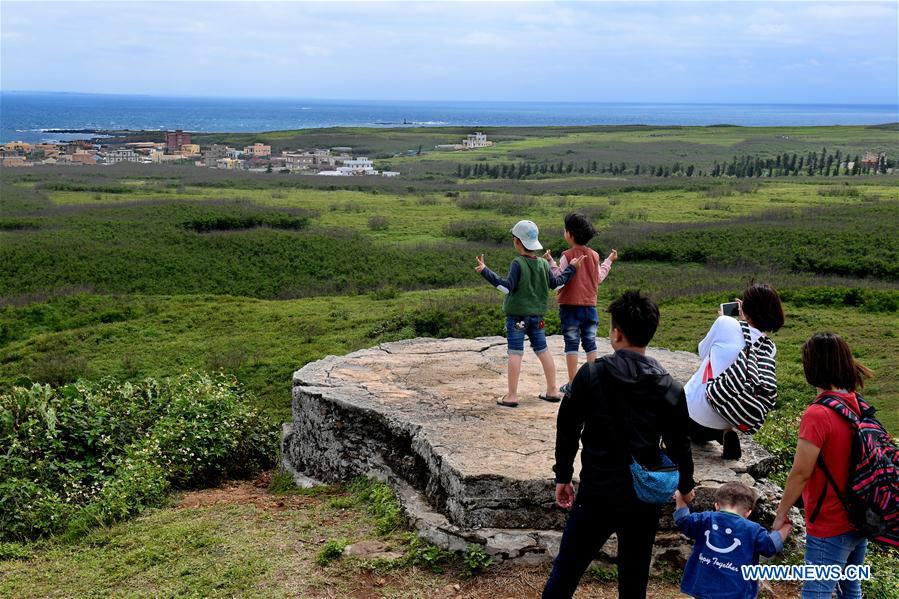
(769, 29)
(315, 51)
(482, 38)
(568, 51)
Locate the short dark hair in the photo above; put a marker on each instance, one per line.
(736, 495)
(636, 316)
(580, 227)
(828, 363)
(762, 305)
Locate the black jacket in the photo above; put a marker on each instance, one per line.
(621, 406)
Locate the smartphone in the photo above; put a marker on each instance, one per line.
(731, 309)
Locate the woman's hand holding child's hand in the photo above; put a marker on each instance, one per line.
(481, 266)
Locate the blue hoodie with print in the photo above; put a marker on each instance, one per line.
(724, 542)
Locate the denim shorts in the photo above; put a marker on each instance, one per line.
(519, 326)
(579, 325)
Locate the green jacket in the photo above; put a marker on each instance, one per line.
(527, 285)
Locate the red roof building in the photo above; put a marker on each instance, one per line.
(174, 140)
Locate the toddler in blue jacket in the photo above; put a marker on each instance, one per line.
(725, 541)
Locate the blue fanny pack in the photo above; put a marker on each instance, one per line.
(655, 485)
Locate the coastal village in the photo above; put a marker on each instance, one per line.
(178, 149)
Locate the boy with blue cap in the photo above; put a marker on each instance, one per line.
(527, 288)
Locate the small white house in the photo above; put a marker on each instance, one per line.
(476, 140)
(357, 166)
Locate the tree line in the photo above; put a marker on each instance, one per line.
(824, 163)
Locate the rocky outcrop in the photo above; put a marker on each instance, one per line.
(422, 414)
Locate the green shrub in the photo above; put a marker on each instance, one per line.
(474, 560)
(58, 368)
(380, 502)
(420, 553)
(387, 292)
(333, 550)
(839, 191)
(478, 230)
(378, 223)
(603, 574)
(501, 203)
(13, 551)
(282, 483)
(98, 452)
(884, 583)
(596, 212)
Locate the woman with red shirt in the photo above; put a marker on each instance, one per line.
(823, 433)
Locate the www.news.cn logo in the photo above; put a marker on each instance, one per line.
(806, 572)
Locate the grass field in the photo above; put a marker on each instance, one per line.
(153, 271)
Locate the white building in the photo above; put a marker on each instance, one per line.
(122, 155)
(357, 166)
(476, 140)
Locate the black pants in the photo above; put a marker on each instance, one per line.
(701, 434)
(588, 528)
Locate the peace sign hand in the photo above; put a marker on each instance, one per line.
(481, 266)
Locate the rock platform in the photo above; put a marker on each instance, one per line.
(422, 415)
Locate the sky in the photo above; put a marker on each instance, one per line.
(732, 52)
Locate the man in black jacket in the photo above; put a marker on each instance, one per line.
(620, 407)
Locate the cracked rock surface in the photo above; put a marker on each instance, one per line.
(422, 414)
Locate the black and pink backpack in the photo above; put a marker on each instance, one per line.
(871, 495)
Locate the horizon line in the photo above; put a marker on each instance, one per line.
(480, 101)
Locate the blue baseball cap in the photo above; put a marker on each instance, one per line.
(526, 232)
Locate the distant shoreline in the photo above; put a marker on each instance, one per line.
(39, 117)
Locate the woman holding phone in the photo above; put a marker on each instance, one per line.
(761, 309)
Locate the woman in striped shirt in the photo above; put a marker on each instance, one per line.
(762, 310)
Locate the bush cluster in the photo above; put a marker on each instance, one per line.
(237, 223)
(843, 240)
(478, 230)
(97, 452)
(512, 205)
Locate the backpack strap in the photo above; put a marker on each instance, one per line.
(830, 481)
(835, 403)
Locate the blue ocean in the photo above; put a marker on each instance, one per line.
(27, 116)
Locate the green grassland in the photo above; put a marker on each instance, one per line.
(135, 271)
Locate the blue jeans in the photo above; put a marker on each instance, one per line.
(588, 528)
(519, 326)
(841, 550)
(579, 327)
